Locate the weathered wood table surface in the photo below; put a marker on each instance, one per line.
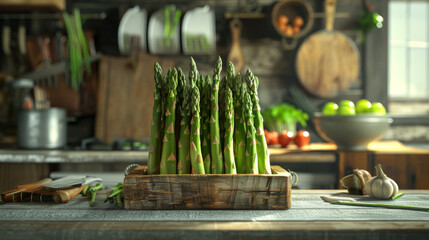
(309, 218)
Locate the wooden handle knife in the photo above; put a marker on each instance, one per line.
(11, 194)
(63, 196)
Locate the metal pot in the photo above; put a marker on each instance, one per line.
(42, 129)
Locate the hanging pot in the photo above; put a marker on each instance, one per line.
(294, 10)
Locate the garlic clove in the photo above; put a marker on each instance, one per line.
(355, 183)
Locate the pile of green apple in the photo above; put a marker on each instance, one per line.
(347, 107)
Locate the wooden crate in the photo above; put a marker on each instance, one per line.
(210, 191)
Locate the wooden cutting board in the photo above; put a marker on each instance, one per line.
(125, 97)
(328, 61)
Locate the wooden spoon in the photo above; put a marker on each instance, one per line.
(236, 54)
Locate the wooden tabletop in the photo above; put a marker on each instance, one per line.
(309, 218)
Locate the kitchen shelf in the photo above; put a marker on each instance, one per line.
(26, 5)
(65, 156)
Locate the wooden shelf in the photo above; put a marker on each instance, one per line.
(62, 156)
(32, 5)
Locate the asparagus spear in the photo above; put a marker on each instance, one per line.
(193, 74)
(225, 83)
(168, 157)
(164, 98)
(222, 89)
(261, 143)
(251, 161)
(155, 127)
(228, 151)
(195, 140)
(205, 123)
(195, 144)
(181, 84)
(230, 74)
(240, 126)
(217, 159)
(93, 190)
(184, 164)
(201, 85)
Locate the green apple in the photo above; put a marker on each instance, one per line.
(363, 106)
(330, 108)
(347, 103)
(378, 108)
(346, 110)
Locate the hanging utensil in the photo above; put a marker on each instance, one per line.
(47, 61)
(328, 61)
(64, 57)
(44, 81)
(22, 38)
(54, 76)
(58, 51)
(236, 53)
(6, 33)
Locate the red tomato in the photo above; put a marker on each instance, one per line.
(285, 138)
(302, 138)
(274, 138)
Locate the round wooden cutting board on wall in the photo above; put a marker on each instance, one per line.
(328, 61)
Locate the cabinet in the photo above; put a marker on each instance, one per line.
(409, 167)
(19, 5)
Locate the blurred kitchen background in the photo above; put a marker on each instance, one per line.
(106, 89)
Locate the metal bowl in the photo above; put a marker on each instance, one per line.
(292, 9)
(352, 133)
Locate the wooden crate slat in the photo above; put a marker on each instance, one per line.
(210, 191)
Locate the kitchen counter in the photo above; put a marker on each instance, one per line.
(315, 152)
(309, 218)
(319, 161)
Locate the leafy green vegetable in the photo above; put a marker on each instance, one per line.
(284, 117)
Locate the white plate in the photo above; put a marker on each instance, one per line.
(156, 43)
(133, 23)
(199, 31)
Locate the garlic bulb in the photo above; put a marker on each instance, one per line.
(381, 186)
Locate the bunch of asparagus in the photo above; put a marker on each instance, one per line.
(207, 126)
